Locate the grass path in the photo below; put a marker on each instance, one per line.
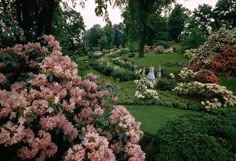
(154, 117)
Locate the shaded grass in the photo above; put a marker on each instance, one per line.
(154, 117)
(230, 83)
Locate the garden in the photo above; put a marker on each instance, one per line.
(112, 93)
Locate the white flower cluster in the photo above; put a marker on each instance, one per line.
(121, 61)
(186, 73)
(106, 62)
(172, 76)
(216, 96)
(140, 72)
(145, 89)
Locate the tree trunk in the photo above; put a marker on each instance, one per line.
(141, 44)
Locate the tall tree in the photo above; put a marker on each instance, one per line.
(225, 12)
(177, 21)
(68, 27)
(119, 38)
(139, 11)
(92, 37)
(203, 19)
(157, 29)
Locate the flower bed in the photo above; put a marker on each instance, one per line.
(117, 72)
(125, 64)
(212, 96)
(204, 55)
(52, 113)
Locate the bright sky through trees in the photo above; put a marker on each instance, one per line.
(114, 13)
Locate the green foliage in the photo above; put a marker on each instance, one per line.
(170, 99)
(165, 44)
(166, 84)
(193, 40)
(176, 21)
(10, 31)
(195, 137)
(116, 74)
(68, 26)
(135, 23)
(92, 37)
(224, 13)
(157, 29)
(119, 37)
(201, 20)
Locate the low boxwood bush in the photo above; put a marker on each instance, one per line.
(195, 137)
(166, 84)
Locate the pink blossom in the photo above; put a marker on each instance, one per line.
(5, 111)
(11, 133)
(3, 79)
(88, 85)
(114, 99)
(98, 147)
(91, 76)
(134, 152)
(76, 153)
(69, 107)
(116, 147)
(39, 80)
(18, 86)
(39, 107)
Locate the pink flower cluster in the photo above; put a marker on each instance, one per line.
(60, 66)
(127, 124)
(41, 145)
(37, 115)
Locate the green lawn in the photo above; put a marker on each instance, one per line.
(230, 83)
(162, 59)
(154, 117)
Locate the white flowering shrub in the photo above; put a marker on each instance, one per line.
(140, 72)
(205, 53)
(186, 73)
(212, 96)
(145, 89)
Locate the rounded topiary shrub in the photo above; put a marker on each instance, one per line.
(194, 137)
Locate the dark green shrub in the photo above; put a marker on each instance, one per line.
(195, 137)
(131, 55)
(166, 84)
(107, 70)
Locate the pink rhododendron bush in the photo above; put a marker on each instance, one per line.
(48, 112)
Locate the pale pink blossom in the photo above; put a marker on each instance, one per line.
(18, 86)
(3, 79)
(76, 153)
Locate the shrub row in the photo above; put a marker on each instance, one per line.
(116, 74)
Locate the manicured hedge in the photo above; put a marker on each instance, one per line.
(195, 137)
